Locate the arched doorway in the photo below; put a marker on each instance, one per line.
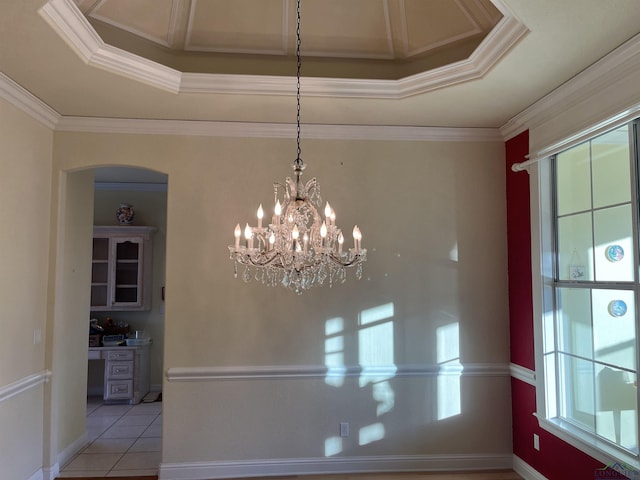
(121, 436)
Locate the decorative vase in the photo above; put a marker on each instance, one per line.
(125, 214)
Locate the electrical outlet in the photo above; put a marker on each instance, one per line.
(344, 429)
(536, 441)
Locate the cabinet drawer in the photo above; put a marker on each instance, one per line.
(119, 389)
(119, 370)
(120, 355)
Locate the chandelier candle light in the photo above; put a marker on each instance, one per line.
(297, 249)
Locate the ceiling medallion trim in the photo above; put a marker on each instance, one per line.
(65, 17)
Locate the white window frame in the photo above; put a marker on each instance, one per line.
(542, 254)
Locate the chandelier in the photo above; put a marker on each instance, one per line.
(297, 249)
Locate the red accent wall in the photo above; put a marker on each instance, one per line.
(519, 254)
(556, 460)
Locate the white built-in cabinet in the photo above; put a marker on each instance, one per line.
(121, 268)
(126, 372)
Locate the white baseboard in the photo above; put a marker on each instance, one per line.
(525, 470)
(314, 466)
(39, 475)
(50, 473)
(74, 447)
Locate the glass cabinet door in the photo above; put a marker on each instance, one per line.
(121, 268)
(127, 271)
(100, 272)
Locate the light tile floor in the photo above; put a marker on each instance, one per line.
(124, 440)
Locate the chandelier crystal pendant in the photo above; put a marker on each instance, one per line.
(297, 249)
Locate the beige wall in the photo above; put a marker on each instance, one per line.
(433, 218)
(25, 193)
(70, 277)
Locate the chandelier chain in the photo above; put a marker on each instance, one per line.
(299, 68)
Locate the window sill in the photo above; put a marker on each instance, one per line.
(598, 449)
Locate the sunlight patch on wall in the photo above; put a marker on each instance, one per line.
(375, 349)
(375, 344)
(447, 343)
(371, 433)
(332, 446)
(448, 382)
(334, 351)
(376, 357)
(453, 253)
(375, 314)
(385, 396)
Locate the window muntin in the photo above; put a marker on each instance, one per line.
(591, 354)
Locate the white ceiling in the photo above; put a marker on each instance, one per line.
(87, 71)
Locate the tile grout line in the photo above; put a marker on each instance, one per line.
(120, 417)
(116, 418)
(133, 443)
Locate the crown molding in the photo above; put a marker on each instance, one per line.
(275, 130)
(502, 38)
(31, 105)
(605, 72)
(67, 20)
(23, 100)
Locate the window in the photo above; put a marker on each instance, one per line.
(590, 346)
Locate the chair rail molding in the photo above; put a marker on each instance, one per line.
(523, 374)
(24, 384)
(212, 373)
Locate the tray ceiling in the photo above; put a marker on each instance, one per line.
(85, 70)
(382, 39)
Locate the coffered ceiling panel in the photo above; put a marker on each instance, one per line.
(390, 30)
(357, 29)
(241, 26)
(425, 31)
(147, 19)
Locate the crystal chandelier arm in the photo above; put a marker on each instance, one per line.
(357, 258)
(259, 260)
